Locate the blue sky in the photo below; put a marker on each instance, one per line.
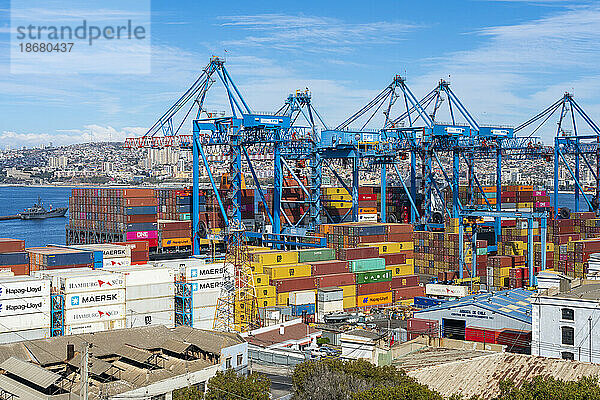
(505, 59)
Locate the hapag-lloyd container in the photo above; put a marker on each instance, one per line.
(11, 323)
(29, 334)
(31, 305)
(91, 282)
(19, 287)
(93, 314)
(93, 299)
(91, 327)
(137, 235)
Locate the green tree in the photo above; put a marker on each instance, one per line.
(188, 393)
(229, 385)
(548, 388)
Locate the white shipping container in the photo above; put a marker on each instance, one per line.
(203, 313)
(19, 287)
(207, 324)
(205, 271)
(92, 281)
(93, 299)
(30, 334)
(166, 318)
(91, 327)
(30, 305)
(207, 284)
(137, 275)
(150, 305)
(79, 316)
(14, 323)
(149, 291)
(179, 266)
(330, 306)
(205, 298)
(116, 262)
(302, 297)
(108, 250)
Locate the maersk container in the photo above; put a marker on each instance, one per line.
(91, 282)
(92, 327)
(204, 271)
(205, 298)
(313, 255)
(298, 310)
(92, 299)
(203, 285)
(22, 287)
(150, 305)
(367, 264)
(12, 323)
(93, 314)
(203, 314)
(302, 297)
(166, 318)
(30, 305)
(14, 258)
(108, 250)
(29, 334)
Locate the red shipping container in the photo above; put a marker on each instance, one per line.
(372, 288)
(394, 258)
(176, 234)
(141, 202)
(336, 280)
(358, 253)
(17, 269)
(367, 197)
(136, 245)
(399, 237)
(371, 239)
(404, 281)
(329, 267)
(419, 326)
(11, 245)
(399, 228)
(481, 335)
(408, 292)
(293, 284)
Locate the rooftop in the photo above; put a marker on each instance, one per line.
(586, 291)
(292, 332)
(515, 303)
(120, 360)
(364, 333)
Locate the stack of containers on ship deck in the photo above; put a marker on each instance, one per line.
(206, 280)
(337, 202)
(47, 258)
(108, 255)
(329, 300)
(112, 215)
(94, 300)
(13, 256)
(175, 235)
(24, 309)
(149, 295)
(140, 252)
(175, 204)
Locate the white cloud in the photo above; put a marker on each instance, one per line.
(312, 34)
(89, 133)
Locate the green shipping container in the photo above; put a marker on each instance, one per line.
(313, 255)
(374, 276)
(367, 264)
(481, 252)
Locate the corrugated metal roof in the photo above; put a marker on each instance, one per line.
(30, 372)
(97, 366)
(175, 346)
(481, 375)
(515, 303)
(131, 353)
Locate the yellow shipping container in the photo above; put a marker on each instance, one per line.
(276, 258)
(407, 302)
(338, 197)
(283, 299)
(349, 290)
(401, 269)
(256, 268)
(288, 271)
(263, 292)
(267, 302)
(374, 299)
(349, 302)
(504, 272)
(334, 190)
(260, 279)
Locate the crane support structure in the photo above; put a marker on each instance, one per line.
(393, 133)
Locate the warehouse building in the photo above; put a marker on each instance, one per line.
(502, 317)
(565, 323)
(141, 363)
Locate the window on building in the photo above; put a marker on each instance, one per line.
(240, 359)
(568, 314)
(228, 363)
(567, 355)
(568, 335)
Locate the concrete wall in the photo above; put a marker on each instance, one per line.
(233, 352)
(547, 324)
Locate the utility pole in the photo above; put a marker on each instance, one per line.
(590, 336)
(84, 370)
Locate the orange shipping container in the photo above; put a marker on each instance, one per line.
(374, 299)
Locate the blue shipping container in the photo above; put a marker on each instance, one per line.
(20, 258)
(426, 302)
(184, 209)
(141, 210)
(181, 200)
(297, 310)
(76, 258)
(142, 226)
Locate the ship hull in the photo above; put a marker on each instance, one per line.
(59, 212)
